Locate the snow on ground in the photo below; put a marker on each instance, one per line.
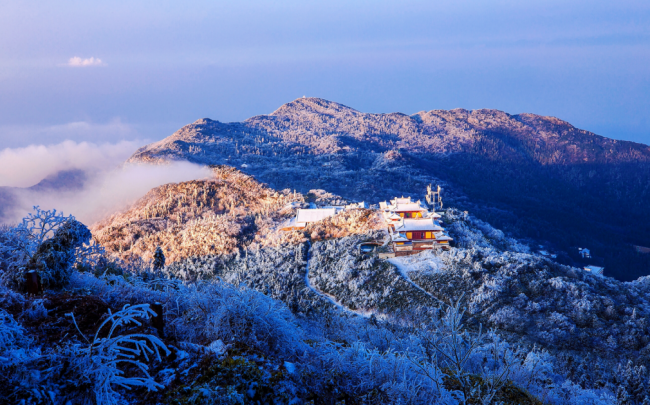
(426, 262)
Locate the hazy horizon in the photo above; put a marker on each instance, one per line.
(102, 72)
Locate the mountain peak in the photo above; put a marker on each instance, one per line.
(313, 105)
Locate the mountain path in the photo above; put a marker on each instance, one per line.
(404, 274)
(328, 297)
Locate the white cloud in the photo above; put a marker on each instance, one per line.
(76, 61)
(108, 192)
(109, 187)
(24, 167)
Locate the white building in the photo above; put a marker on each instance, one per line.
(306, 216)
(597, 270)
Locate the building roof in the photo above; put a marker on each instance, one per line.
(396, 237)
(292, 223)
(595, 269)
(361, 204)
(443, 236)
(413, 206)
(403, 200)
(392, 216)
(404, 204)
(294, 204)
(315, 215)
(420, 224)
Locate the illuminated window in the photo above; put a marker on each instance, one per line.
(429, 235)
(409, 235)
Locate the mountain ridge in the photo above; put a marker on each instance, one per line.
(539, 178)
(528, 127)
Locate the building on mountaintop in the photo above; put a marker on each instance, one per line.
(313, 214)
(306, 216)
(596, 270)
(404, 207)
(361, 204)
(642, 249)
(415, 235)
(413, 227)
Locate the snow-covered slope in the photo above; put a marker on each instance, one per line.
(536, 177)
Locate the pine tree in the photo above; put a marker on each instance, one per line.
(637, 383)
(158, 259)
(622, 397)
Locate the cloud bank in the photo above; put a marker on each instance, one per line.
(109, 185)
(24, 167)
(76, 61)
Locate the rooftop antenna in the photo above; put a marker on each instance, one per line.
(434, 197)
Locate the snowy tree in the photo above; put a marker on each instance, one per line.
(158, 259)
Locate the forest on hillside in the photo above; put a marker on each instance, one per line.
(318, 322)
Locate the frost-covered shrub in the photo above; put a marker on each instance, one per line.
(46, 241)
(10, 299)
(36, 310)
(278, 272)
(380, 377)
(56, 255)
(538, 374)
(206, 395)
(346, 223)
(102, 362)
(158, 259)
(204, 312)
(12, 339)
(239, 315)
(361, 282)
(469, 232)
(196, 218)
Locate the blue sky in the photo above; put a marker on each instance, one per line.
(157, 65)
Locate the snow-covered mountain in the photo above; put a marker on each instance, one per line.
(254, 314)
(536, 177)
(63, 181)
(195, 295)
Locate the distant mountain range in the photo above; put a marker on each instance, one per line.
(64, 180)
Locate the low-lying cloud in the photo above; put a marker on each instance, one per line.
(109, 185)
(24, 167)
(77, 61)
